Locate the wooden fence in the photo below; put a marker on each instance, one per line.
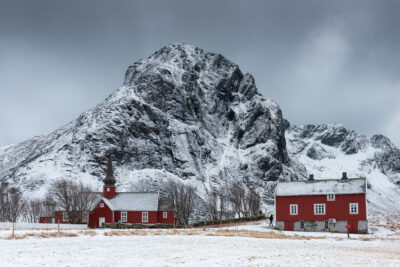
(41, 226)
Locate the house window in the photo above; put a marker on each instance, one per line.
(124, 216)
(145, 216)
(85, 216)
(302, 224)
(293, 209)
(108, 189)
(65, 216)
(165, 214)
(319, 209)
(353, 208)
(101, 205)
(331, 197)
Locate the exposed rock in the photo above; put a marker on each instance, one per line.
(183, 114)
(328, 150)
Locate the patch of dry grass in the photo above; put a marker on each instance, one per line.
(390, 222)
(192, 232)
(360, 239)
(257, 234)
(230, 224)
(126, 233)
(218, 232)
(42, 235)
(88, 232)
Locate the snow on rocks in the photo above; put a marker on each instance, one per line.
(185, 113)
(328, 150)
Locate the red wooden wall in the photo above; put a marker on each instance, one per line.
(45, 220)
(109, 194)
(338, 209)
(98, 212)
(170, 217)
(136, 217)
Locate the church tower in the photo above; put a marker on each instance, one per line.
(109, 181)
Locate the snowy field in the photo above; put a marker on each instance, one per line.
(251, 244)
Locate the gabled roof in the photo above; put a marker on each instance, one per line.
(321, 187)
(133, 202)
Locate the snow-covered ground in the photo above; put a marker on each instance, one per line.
(252, 244)
(174, 250)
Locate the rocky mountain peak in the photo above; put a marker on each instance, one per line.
(189, 83)
(184, 114)
(334, 135)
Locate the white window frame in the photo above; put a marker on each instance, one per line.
(124, 216)
(165, 214)
(85, 216)
(145, 216)
(294, 209)
(108, 189)
(65, 216)
(319, 209)
(330, 197)
(101, 205)
(355, 206)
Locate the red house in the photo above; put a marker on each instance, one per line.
(322, 205)
(129, 207)
(64, 217)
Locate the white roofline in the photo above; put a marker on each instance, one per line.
(316, 187)
(108, 203)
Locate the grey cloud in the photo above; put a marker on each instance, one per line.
(322, 61)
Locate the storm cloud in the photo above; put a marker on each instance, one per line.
(321, 61)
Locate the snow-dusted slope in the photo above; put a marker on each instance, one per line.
(328, 150)
(183, 113)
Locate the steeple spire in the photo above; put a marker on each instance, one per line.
(109, 180)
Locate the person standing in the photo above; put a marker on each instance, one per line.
(348, 227)
(271, 219)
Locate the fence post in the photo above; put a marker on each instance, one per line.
(13, 230)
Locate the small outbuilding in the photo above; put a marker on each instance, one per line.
(322, 205)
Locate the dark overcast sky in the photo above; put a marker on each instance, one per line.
(321, 61)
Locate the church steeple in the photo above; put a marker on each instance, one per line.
(109, 181)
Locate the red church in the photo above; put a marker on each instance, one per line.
(322, 205)
(129, 207)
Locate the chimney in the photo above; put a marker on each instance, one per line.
(344, 177)
(311, 178)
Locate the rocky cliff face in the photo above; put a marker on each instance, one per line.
(329, 150)
(192, 116)
(183, 114)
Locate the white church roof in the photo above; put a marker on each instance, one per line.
(321, 187)
(133, 202)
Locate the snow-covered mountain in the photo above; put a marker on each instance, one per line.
(328, 150)
(192, 116)
(183, 114)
